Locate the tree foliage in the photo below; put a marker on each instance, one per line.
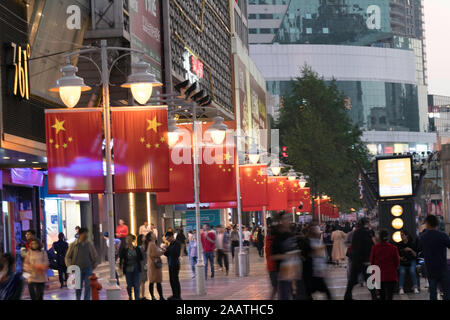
(321, 139)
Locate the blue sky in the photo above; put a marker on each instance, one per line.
(437, 32)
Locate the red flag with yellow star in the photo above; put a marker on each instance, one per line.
(180, 177)
(141, 152)
(305, 200)
(253, 185)
(217, 171)
(74, 141)
(278, 196)
(293, 195)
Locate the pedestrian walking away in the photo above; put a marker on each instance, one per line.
(60, 248)
(173, 260)
(154, 265)
(208, 239)
(130, 262)
(35, 267)
(386, 257)
(82, 253)
(223, 248)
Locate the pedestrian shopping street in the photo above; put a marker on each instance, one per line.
(254, 287)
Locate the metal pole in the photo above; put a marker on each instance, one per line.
(293, 214)
(265, 220)
(319, 209)
(200, 263)
(113, 290)
(241, 255)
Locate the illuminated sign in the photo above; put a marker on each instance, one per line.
(394, 177)
(193, 66)
(21, 81)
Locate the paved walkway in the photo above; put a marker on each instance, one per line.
(254, 287)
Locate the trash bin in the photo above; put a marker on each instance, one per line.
(246, 261)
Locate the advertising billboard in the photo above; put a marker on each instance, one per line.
(394, 177)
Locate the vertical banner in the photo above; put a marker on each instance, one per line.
(253, 186)
(181, 178)
(305, 200)
(293, 195)
(141, 152)
(74, 151)
(277, 190)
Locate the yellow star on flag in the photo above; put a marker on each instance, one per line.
(162, 139)
(227, 156)
(153, 124)
(148, 145)
(142, 140)
(70, 139)
(157, 145)
(57, 146)
(65, 145)
(59, 125)
(51, 141)
(260, 172)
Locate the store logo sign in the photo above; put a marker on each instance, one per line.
(374, 20)
(73, 22)
(21, 83)
(193, 66)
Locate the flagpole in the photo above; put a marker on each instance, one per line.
(239, 212)
(200, 267)
(265, 220)
(113, 290)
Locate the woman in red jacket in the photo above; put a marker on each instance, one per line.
(385, 256)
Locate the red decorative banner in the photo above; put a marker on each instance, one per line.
(254, 185)
(277, 190)
(141, 152)
(305, 200)
(74, 151)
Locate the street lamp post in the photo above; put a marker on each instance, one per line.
(69, 88)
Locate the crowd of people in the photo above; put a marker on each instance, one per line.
(299, 255)
(298, 258)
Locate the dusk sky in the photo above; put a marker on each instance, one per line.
(437, 28)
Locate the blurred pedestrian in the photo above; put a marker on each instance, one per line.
(434, 245)
(36, 266)
(130, 262)
(328, 242)
(208, 239)
(181, 238)
(30, 235)
(286, 253)
(223, 247)
(386, 257)
(60, 248)
(154, 265)
(360, 257)
(154, 230)
(407, 250)
(192, 252)
(260, 241)
(144, 265)
(11, 283)
(144, 229)
(234, 240)
(173, 260)
(246, 235)
(338, 251)
(314, 264)
(82, 253)
(122, 233)
(271, 264)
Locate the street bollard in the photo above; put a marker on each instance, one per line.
(95, 286)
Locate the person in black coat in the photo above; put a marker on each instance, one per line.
(173, 260)
(60, 248)
(260, 242)
(130, 260)
(362, 242)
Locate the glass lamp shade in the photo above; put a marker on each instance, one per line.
(275, 170)
(173, 138)
(397, 210)
(291, 175)
(70, 95)
(291, 178)
(141, 91)
(302, 184)
(218, 136)
(254, 158)
(397, 223)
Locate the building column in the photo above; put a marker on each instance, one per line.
(445, 163)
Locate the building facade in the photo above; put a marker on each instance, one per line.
(374, 49)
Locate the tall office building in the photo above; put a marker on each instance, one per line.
(375, 49)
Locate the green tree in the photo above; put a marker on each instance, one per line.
(321, 139)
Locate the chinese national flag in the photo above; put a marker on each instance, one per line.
(217, 172)
(278, 195)
(305, 199)
(325, 207)
(141, 152)
(74, 151)
(181, 179)
(253, 185)
(293, 195)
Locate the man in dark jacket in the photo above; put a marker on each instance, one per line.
(434, 245)
(360, 257)
(173, 259)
